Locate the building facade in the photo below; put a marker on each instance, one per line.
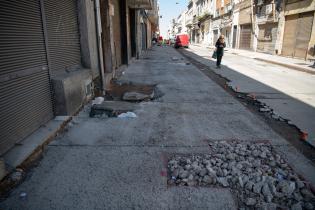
(57, 54)
(282, 27)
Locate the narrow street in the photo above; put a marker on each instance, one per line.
(121, 163)
(288, 92)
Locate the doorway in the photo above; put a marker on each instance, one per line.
(132, 19)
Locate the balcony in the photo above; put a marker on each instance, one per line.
(265, 14)
(141, 4)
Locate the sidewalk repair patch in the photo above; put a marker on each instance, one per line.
(256, 174)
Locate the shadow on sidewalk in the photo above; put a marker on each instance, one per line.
(282, 106)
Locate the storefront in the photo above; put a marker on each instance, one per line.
(40, 39)
(297, 34)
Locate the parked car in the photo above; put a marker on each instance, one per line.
(181, 40)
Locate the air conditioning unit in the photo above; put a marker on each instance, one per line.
(268, 9)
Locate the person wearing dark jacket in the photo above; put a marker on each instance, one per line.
(220, 45)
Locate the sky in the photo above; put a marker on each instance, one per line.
(169, 10)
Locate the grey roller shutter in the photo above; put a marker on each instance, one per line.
(63, 35)
(246, 37)
(25, 97)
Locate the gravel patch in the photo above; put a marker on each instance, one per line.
(258, 176)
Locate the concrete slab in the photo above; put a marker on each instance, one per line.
(299, 113)
(110, 178)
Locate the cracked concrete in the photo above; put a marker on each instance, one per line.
(114, 163)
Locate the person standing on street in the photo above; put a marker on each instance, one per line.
(220, 45)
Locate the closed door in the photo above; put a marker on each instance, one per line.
(297, 34)
(303, 36)
(267, 37)
(246, 37)
(289, 38)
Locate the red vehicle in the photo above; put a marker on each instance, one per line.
(182, 40)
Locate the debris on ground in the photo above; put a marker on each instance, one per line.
(127, 115)
(23, 195)
(111, 108)
(175, 58)
(98, 100)
(259, 177)
(17, 175)
(136, 96)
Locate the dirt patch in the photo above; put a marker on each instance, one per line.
(289, 132)
(117, 90)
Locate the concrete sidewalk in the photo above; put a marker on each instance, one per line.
(292, 63)
(114, 163)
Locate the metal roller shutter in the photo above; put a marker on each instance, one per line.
(25, 97)
(289, 35)
(63, 35)
(303, 36)
(297, 34)
(246, 37)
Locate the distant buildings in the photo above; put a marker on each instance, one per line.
(283, 27)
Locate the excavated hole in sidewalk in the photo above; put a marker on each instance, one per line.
(281, 126)
(124, 97)
(257, 176)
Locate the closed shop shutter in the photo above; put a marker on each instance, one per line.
(297, 34)
(303, 36)
(63, 34)
(267, 37)
(289, 35)
(246, 37)
(25, 102)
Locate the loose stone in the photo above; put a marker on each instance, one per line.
(250, 201)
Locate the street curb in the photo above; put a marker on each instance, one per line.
(6, 184)
(297, 68)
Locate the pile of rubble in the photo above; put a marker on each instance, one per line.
(258, 176)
